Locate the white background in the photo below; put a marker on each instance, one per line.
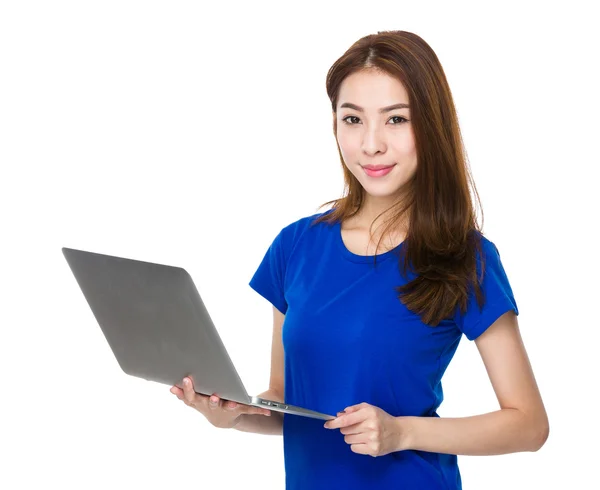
(189, 134)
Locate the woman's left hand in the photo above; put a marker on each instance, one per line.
(368, 429)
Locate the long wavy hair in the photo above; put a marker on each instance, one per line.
(442, 236)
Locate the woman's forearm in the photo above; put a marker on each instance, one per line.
(500, 432)
(262, 424)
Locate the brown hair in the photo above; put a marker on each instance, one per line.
(442, 235)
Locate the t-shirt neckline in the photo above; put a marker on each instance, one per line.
(347, 254)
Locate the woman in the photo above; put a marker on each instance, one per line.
(377, 291)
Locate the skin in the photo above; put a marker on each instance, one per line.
(370, 137)
(220, 413)
(521, 423)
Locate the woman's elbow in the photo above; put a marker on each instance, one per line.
(540, 434)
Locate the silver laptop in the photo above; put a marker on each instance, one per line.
(158, 328)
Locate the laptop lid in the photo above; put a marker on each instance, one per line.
(155, 322)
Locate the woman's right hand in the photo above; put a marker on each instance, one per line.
(220, 413)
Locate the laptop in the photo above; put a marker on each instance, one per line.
(158, 328)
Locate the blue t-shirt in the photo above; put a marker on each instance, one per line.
(347, 339)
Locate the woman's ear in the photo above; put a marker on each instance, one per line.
(334, 123)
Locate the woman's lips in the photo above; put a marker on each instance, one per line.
(380, 172)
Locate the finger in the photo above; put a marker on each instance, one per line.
(354, 408)
(361, 449)
(246, 409)
(346, 420)
(188, 390)
(256, 410)
(232, 406)
(354, 429)
(214, 402)
(356, 438)
(178, 392)
(191, 398)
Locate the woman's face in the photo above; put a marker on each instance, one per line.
(367, 136)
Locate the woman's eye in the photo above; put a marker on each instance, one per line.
(400, 118)
(349, 117)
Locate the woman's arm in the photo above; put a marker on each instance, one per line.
(273, 424)
(521, 424)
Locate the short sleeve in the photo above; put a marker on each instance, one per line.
(268, 280)
(498, 295)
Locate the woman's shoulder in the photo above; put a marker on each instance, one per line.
(302, 229)
(487, 245)
(489, 252)
(302, 224)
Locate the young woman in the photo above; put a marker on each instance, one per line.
(371, 297)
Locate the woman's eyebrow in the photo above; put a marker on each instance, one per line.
(382, 110)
